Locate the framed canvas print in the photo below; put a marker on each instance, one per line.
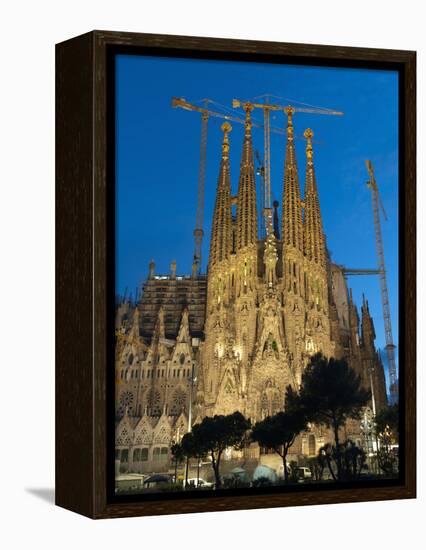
(235, 274)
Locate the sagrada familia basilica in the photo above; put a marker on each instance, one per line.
(234, 339)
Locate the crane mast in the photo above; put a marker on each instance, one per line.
(390, 347)
(199, 218)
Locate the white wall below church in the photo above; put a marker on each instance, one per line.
(29, 31)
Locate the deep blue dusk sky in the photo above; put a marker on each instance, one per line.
(157, 160)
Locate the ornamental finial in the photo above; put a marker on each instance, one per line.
(289, 111)
(226, 128)
(248, 108)
(309, 153)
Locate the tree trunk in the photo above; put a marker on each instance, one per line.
(330, 468)
(336, 433)
(339, 458)
(215, 466)
(285, 467)
(186, 471)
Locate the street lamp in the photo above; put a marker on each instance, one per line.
(191, 391)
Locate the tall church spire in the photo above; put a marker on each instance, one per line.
(367, 326)
(246, 199)
(221, 239)
(292, 232)
(313, 232)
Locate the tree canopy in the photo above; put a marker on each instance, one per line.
(331, 392)
(387, 422)
(279, 432)
(215, 434)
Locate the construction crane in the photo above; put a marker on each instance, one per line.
(289, 110)
(390, 347)
(206, 112)
(358, 271)
(260, 171)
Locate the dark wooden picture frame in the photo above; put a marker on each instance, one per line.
(84, 227)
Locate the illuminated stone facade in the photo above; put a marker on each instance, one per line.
(234, 340)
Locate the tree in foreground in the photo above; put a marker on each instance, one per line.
(344, 462)
(387, 430)
(178, 456)
(279, 432)
(193, 448)
(387, 419)
(330, 393)
(214, 434)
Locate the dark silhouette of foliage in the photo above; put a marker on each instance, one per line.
(316, 464)
(279, 432)
(387, 430)
(345, 462)
(387, 421)
(194, 448)
(178, 456)
(331, 392)
(214, 434)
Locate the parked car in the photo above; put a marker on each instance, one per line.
(303, 472)
(201, 483)
(157, 480)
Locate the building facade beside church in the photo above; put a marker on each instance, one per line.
(234, 339)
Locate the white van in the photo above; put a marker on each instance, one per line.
(303, 472)
(202, 484)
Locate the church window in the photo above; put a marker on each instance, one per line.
(142, 373)
(156, 453)
(136, 455)
(174, 373)
(130, 358)
(182, 359)
(124, 455)
(311, 445)
(160, 454)
(126, 402)
(144, 454)
(178, 402)
(131, 374)
(153, 403)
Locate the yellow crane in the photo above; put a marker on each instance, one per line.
(289, 110)
(390, 347)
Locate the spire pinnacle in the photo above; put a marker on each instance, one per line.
(314, 240)
(226, 128)
(292, 230)
(246, 199)
(309, 152)
(248, 107)
(221, 239)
